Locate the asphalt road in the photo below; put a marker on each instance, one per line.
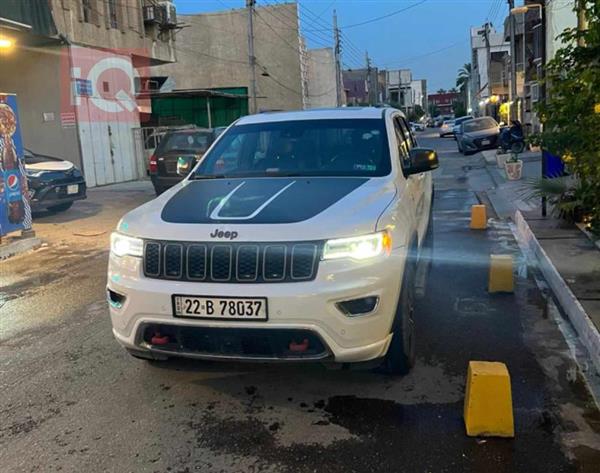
(72, 400)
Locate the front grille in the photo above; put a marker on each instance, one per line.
(235, 262)
(234, 343)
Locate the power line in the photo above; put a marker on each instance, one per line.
(382, 17)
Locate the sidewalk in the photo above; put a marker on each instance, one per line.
(569, 260)
(508, 196)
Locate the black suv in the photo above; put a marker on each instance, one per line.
(176, 155)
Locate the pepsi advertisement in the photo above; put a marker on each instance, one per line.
(15, 212)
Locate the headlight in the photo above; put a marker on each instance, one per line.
(362, 247)
(122, 245)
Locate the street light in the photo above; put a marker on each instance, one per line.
(5, 43)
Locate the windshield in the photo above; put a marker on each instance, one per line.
(349, 147)
(478, 125)
(197, 141)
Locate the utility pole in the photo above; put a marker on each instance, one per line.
(338, 69)
(513, 61)
(369, 80)
(251, 58)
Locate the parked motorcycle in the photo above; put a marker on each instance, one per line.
(512, 138)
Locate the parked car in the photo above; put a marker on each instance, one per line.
(446, 128)
(53, 183)
(458, 121)
(292, 251)
(478, 134)
(177, 153)
(415, 126)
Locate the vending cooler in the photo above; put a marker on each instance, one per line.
(15, 211)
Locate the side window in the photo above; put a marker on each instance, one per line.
(410, 139)
(401, 137)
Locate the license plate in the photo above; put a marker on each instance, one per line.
(485, 142)
(73, 189)
(222, 308)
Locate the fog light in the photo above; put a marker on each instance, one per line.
(356, 307)
(115, 299)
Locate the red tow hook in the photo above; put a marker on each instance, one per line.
(299, 347)
(158, 339)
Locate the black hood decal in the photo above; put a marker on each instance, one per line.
(262, 200)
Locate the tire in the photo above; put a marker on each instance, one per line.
(401, 354)
(61, 207)
(517, 147)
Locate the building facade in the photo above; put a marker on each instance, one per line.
(489, 52)
(443, 102)
(321, 83)
(213, 53)
(91, 51)
(362, 86)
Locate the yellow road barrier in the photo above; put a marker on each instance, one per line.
(488, 410)
(501, 274)
(478, 217)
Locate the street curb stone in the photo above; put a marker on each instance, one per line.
(589, 335)
(18, 246)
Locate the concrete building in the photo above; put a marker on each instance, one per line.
(362, 86)
(213, 53)
(57, 48)
(321, 81)
(532, 50)
(419, 93)
(488, 58)
(399, 90)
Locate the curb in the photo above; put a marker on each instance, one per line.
(589, 335)
(18, 246)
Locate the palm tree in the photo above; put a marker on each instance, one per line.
(464, 74)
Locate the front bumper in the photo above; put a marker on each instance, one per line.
(50, 194)
(297, 311)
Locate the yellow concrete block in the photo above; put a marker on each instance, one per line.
(501, 274)
(488, 408)
(478, 217)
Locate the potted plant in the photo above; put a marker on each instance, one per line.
(568, 197)
(501, 158)
(513, 167)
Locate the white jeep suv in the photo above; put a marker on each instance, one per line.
(296, 237)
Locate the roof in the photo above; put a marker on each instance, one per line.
(314, 114)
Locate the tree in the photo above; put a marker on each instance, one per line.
(416, 114)
(441, 91)
(459, 108)
(434, 111)
(463, 77)
(570, 112)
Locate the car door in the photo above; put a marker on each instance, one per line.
(416, 183)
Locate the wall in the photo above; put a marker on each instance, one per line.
(213, 52)
(34, 75)
(321, 78)
(130, 32)
(559, 15)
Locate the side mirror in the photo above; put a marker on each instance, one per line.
(185, 165)
(422, 160)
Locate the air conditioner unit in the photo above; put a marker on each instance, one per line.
(150, 14)
(169, 13)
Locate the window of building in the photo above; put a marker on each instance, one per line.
(112, 14)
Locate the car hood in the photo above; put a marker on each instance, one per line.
(49, 166)
(263, 209)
